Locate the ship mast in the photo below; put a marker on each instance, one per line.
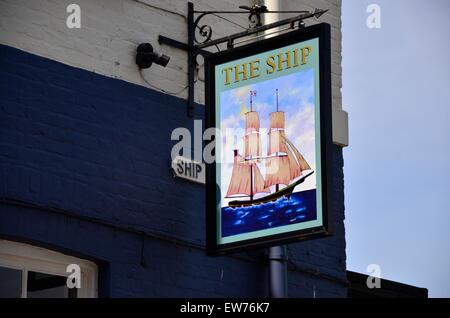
(251, 181)
(277, 99)
(252, 93)
(246, 178)
(277, 186)
(284, 161)
(277, 162)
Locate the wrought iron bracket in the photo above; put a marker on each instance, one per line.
(195, 46)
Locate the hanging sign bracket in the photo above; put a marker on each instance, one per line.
(197, 46)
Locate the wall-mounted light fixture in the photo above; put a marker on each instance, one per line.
(145, 56)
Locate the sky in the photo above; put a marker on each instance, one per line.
(296, 99)
(396, 89)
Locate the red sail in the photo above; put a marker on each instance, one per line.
(258, 181)
(252, 146)
(294, 168)
(251, 122)
(277, 171)
(277, 120)
(301, 161)
(252, 141)
(276, 142)
(283, 169)
(240, 183)
(240, 178)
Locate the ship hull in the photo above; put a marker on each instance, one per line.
(285, 192)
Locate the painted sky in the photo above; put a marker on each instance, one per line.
(296, 99)
(396, 88)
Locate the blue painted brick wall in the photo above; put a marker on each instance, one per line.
(98, 149)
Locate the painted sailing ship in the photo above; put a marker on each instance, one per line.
(284, 164)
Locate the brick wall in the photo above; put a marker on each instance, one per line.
(80, 143)
(111, 30)
(85, 152)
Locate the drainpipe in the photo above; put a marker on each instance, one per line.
(272, 5)
(277, 254)
(278, 272)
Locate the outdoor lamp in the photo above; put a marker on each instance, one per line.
(145, 56)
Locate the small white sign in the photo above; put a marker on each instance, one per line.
(188, 169)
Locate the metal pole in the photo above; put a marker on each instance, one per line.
(278, 272)
(277, 254)
(191, 60)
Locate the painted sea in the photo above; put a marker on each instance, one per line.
(301, 207)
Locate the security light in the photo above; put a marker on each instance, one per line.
(145, 56)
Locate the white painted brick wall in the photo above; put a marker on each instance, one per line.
(333, 17)
(111, 30)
